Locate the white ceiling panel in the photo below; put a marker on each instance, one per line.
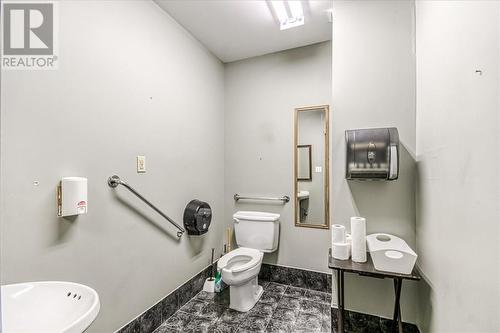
(239, 29)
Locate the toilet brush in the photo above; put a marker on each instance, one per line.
(209, 285)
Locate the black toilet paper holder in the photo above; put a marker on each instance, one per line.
(197, 217)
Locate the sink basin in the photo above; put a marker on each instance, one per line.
(48, 307)
(303, 195)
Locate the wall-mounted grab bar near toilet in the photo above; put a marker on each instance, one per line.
(283, 199)
(114, 181)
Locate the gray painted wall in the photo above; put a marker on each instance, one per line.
(131, 82)
(260, 97)
(374, 86)
(458, 126)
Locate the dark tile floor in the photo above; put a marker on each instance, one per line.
(281, 308)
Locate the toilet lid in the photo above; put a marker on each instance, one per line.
(254, 255)
(256, 216)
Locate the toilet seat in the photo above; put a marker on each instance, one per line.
(246, 258)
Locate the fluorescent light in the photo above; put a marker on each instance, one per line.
(296, 9)
(280, 10)
(290, 17)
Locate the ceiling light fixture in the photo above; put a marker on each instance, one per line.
(289, 13)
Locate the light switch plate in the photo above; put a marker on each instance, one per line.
(141, 164)
(318, 169)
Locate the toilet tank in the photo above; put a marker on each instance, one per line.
(257, 230)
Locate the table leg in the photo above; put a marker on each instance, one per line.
(397, 309)
(340, 300)
(342, 284)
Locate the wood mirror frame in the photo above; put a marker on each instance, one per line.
(326, 164)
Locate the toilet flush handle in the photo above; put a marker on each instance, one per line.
(236, 220)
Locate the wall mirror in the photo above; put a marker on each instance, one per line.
(311, 169)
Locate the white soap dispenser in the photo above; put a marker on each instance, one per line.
(72, 196)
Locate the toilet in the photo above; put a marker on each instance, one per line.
(256, 233)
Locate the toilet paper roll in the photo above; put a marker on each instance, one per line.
(341, 250)
(338, 233)
(358, 242)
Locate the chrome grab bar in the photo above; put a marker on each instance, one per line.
(114, 181)
(284, 198)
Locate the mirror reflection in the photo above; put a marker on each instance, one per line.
(304, 167)
(311, 167)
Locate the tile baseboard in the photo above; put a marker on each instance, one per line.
(297, 277)
(362, 322)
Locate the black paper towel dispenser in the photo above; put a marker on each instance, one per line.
(197, 217)
(372, 154)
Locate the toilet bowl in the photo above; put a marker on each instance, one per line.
(240, 269)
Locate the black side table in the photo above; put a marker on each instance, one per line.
(367, 269)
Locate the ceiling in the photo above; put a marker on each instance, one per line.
(239, 29)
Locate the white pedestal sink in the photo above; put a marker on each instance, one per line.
(48, 307)
(303, 195)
